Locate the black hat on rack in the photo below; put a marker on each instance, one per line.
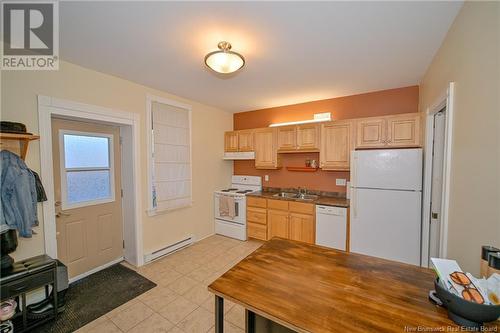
(13, 127)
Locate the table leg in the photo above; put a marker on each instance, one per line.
(249, 321)
(219, 314)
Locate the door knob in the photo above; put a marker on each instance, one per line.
(62, 214)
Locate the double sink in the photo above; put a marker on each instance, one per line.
(299, 196)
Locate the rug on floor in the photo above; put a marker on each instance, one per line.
(95, 295)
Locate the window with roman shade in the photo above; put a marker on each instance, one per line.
(170, 159)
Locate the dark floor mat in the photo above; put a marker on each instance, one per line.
(95, 295)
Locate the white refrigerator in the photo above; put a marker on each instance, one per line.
(386, 198)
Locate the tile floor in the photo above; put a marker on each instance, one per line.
(181, 302)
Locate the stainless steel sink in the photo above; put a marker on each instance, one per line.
(286, 195)
(300, 196)
(310, 197)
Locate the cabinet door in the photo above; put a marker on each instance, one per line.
(404, 130)
(370, 133)
(277, 223)
(308, 137)
(302, 228)
(257, 231)
(266, 156)
(336, 145)
(245, 140)
(287, 138)
(231, 141)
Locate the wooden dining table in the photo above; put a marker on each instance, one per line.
(308, 288)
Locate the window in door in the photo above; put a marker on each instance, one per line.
(87, 176)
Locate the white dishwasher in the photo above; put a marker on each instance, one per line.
(331, 227)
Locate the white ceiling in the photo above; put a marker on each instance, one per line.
(295, 51)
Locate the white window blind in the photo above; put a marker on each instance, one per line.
(171, 157)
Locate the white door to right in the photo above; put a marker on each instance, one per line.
(437, 183)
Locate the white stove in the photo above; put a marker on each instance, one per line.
(230, 206)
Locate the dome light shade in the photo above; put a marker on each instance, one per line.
(224, 61)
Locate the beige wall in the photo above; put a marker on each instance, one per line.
(71, 82)
(470, 57)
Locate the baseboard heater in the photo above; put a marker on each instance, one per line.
(169, 249)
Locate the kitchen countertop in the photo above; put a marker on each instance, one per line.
(322, 200)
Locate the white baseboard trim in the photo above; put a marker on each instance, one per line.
(97, 269)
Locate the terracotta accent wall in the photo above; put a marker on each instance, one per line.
(378, 103)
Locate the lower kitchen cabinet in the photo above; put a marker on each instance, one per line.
(277, 223)
(285, 219)
(302, 228)
(257, 231)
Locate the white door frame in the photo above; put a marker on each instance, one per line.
(446, 100)
(129, 123)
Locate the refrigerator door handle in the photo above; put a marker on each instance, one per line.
(354, 162)
(353, 202)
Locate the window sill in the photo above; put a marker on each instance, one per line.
(154, 212)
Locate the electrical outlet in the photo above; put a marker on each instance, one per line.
(340, 182)
(266, 178)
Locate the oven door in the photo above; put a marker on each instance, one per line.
(239, 209)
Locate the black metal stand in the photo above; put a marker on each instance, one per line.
(23, 277)
(219, 314)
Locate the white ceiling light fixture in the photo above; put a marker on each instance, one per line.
(224, 61)
(318, 117)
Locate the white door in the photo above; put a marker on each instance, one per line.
(386, 224)
(437, 184)
(387, 169)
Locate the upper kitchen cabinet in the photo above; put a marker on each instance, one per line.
(266, 152)
(245, 140)
(336, 145)
(239, 141)
(298, 138)
(370, 132)
(404, 130)
(390, 131)
(231, 141)
(308, 137)
(287, 138)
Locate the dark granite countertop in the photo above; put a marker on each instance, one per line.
(325, 200)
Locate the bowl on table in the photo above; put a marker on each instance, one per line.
(466, 313)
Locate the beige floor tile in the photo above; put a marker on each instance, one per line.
(200, 320)
(182, 285)
(167, 277)
(236, 316)
(153, 324)
(186, 267)
(178, 310)
(200, 274)
(176, 330)
(198, 294)
(131, 316)
(122, 307)
(104, 325)
(157, 298)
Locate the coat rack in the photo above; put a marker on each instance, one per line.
(17, 143)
